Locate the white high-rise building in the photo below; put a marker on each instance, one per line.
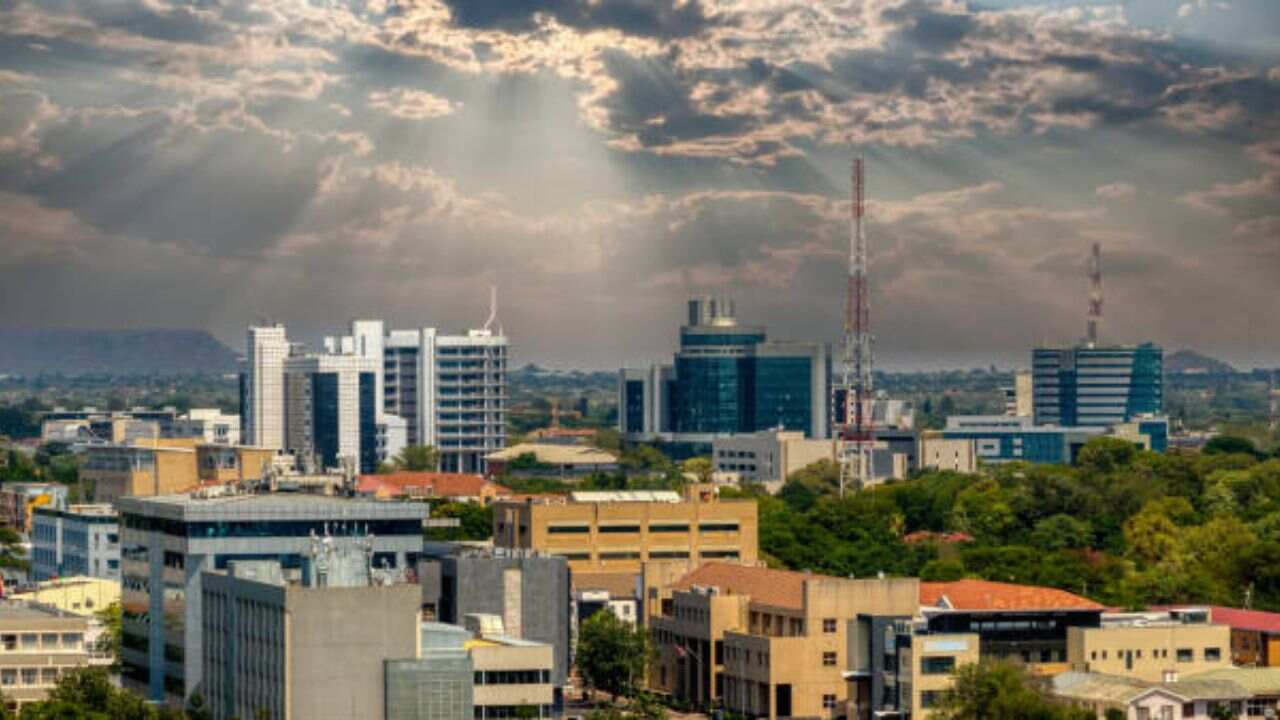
(452, 390)
(262, 387)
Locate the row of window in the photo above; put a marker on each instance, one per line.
(37, 642)
(512, 677)
(30, 676)
(1183, 655)
(632, 529)
(653, 555)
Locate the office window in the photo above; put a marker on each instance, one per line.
(1189, 710)
(1093, 655)
(828, 659)
(1212, 654)
(829, 701)
(930, 698)
(828, 625)
(619, 529)
(1185, 655)
(937, 665)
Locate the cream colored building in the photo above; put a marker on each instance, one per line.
(767, 457)
(38, 645)
(615, 532)
(77, 595)
(1149, 649)
(939, 453)
(933, 660)
(766, 643)
(511, 673)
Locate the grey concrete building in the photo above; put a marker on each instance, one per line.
(531, 593)
(296, 652)
(169, 541)
(77, 540)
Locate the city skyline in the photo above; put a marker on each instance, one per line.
(602, 162)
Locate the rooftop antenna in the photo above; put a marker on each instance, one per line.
(856, 432)
(1095, 295)
(493, 310)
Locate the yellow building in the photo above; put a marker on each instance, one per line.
(931, 664)
(1154, 650)
(38, 645)
(615, 532)
(76, 595)
(766, 643)
(167, 466)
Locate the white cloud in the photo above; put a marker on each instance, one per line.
(411, 104)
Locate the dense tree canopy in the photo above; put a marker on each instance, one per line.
(1000, 691)
(612, 654)
(1124, 526)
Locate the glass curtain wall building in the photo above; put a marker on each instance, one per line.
(1096, 386)
(727, 379)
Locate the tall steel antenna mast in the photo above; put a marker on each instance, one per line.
(1095, 295)
(856, 433)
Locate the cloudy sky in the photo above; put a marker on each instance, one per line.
(204, 164)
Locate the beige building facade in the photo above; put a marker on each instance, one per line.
(148, 469)
(766, 643)
(939, 453)
(617, 532)
(38, 645)
(1160, 652)
(767, 457)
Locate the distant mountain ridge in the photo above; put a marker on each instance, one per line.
(117, 352)
(1190, 361)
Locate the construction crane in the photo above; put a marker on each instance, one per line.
(856, 435)
(1095, 296)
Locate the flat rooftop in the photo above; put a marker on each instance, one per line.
(270, 506)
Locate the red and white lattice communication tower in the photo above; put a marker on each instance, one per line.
(857, 434)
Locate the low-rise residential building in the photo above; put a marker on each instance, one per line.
(451, 487)
(1255, 635)
(1152, 646)
(1262, 684)
(550, 459)
(38, 645)
(76, 540)
(1145, 700)
(765, 643)
(18, 500)
(617, 531)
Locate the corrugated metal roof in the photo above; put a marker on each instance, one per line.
(607, 496)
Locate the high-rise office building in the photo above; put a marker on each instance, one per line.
(1096, 386)
(167, 542)
(726, 379)
(262, 387)
(451, 390)
(331, 406)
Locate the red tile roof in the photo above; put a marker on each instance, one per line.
(437, 484)
(1238, 619)
(945, 538)
(780, 588)
(987, 595)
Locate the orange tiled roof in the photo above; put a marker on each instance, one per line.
(429, 483)
(987, 595)
(780, 588)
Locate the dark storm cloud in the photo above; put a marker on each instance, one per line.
(168, 163)
(649, 18)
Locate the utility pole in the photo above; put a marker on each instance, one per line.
(857, 434)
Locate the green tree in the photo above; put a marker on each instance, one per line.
(983, 509)
(1105, 454)
(999, 691)
(12, 555)
(699, 467)
(611, 654)
(111, 618)
(1061, 531)
(417, 458)
(1229, 445)
(475, 522)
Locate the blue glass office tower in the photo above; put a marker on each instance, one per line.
(1096, 386)
(727, 379)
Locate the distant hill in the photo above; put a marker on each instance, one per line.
(1190, 361)
(116, 352)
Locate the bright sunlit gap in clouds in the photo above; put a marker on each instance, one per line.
(166, 165)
